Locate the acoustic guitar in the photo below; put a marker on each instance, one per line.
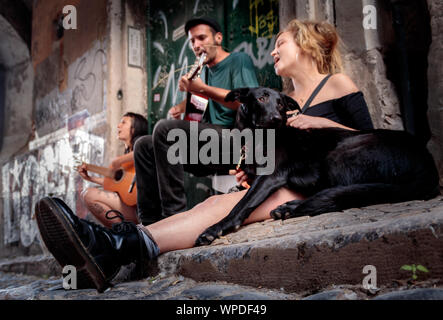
(121, 180)
(195, 104)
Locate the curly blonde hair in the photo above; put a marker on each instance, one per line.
(320, 40)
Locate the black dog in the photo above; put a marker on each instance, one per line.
(334, 168)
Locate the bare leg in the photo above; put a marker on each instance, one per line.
(99, 202)
(181, 230)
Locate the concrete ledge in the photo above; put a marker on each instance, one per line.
(311, 253)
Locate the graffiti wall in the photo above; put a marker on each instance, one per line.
(66, 123)
(257, 36)
(85, 91)
(45, 171)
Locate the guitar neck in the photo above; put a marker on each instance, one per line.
(107, 172)
(197, 67)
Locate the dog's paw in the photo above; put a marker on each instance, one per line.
(280, 213)
(208, 236)
(285, 211)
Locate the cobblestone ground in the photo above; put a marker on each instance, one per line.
(23, 287)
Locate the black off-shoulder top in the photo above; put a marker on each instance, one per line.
(350, 110)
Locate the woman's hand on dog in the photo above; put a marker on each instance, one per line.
(305, 122)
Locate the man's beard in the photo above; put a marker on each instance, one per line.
(211, 51)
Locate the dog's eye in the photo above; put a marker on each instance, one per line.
(263, 99)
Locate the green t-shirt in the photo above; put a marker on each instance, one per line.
(235, 71)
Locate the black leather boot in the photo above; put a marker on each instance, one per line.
(96, 252)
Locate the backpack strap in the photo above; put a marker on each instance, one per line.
(314, 93)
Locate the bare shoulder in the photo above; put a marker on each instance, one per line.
(342, 84)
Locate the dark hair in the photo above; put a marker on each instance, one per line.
(213, 31)
(213, 24)
(139, 127)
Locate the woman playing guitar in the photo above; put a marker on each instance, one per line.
(99, 201)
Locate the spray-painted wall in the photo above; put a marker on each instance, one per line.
(47, 170)
(68, 114)
(65, 122)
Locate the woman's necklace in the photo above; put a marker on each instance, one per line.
(307, 94)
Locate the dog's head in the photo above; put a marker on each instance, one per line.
(261, 107)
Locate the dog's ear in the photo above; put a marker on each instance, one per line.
(289, 103)
(239, 94)
(243, 117)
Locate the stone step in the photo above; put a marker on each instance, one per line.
(311, 253)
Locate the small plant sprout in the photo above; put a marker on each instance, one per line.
(414, 268)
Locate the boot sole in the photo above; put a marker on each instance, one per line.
(63, 242)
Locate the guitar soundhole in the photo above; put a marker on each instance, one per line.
(118, 175)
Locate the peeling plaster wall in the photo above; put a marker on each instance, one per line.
(363, 62)
(19, 77)
(14, 56)
(68, 108)
(83, 96)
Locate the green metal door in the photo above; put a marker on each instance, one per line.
(248, 25)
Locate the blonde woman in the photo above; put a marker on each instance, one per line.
(307, 53)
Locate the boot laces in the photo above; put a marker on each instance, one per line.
(127, 227)
(122, 227)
